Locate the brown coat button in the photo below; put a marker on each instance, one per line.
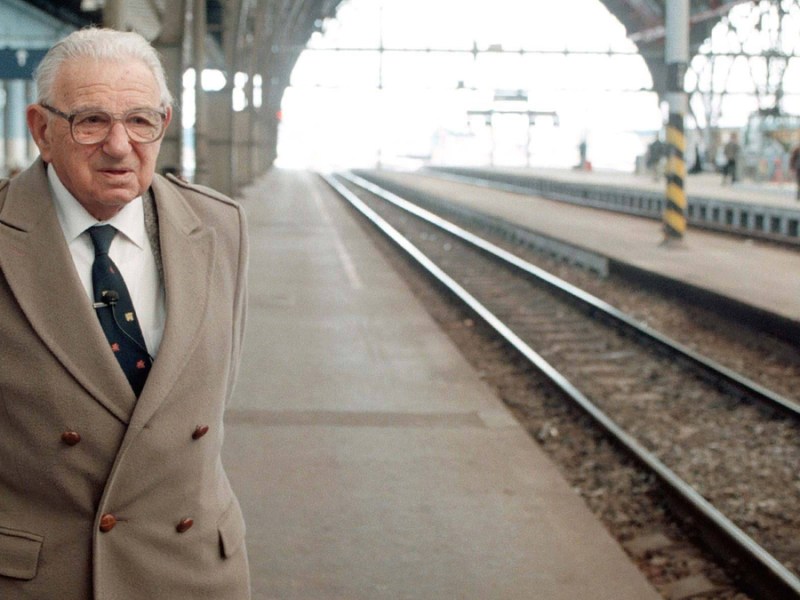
(70, 438)
(184, 525)
(199, 432)
(107, 522)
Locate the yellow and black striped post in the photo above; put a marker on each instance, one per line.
(676, 57)
(675, 213)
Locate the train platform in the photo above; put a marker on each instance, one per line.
(747, 272)
(781, 193)
(370, 460)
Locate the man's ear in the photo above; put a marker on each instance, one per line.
(168, 118)
(38, 123)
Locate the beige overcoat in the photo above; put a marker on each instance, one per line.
(103, 496)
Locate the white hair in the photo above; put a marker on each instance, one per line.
(99, 44)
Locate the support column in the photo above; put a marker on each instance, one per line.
(16, 133)
(247, 121)
(676, 56)
(273, 91)
(220, 145)
(256, 98)
(242, 145)
(31, 149)
(169, 158)
(269, 138)
(114, 15)
(259, 160)
(199, 27)
(170, 45)
(6, 139)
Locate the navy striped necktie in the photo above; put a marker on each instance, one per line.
(115, 311)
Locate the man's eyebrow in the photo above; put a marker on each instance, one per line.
(76, 109)
(95, 108)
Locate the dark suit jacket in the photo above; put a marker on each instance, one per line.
(145, 462)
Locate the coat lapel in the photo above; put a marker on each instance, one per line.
(38, 266)
(188, 256)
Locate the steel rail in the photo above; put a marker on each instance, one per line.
(764, 574)
(724, 374)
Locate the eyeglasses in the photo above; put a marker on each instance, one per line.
(144, 125)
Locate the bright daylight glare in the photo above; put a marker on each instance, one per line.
(569, 63)
(354, 107)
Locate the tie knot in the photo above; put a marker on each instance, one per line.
(102, 235)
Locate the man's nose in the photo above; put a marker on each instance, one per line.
(118, 141)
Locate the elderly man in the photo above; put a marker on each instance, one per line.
(122, 299)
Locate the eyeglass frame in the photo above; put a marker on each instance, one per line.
(70, 117)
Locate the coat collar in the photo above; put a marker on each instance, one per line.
(37, 264)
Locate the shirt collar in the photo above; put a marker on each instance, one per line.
(75, 219)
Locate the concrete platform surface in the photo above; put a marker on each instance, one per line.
(761, 275)
(370, 460)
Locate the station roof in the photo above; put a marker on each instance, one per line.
(643, 19)
(292, 21)
(68, 11)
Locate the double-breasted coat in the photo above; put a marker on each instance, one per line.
(102, 495)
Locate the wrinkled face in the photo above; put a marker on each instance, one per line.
(107, 175)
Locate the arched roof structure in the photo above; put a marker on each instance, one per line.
(293, 22)
(289, 23)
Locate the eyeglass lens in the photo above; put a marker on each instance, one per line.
(94, 126)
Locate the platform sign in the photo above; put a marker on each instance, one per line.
(19, 63)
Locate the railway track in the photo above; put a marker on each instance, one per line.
(706, 432)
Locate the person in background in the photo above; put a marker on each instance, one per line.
(122, 303)
(655, 158)
(582, 147)
(794, 165)
(697, 167)
(731, 152)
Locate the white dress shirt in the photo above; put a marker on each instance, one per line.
(130, 250)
